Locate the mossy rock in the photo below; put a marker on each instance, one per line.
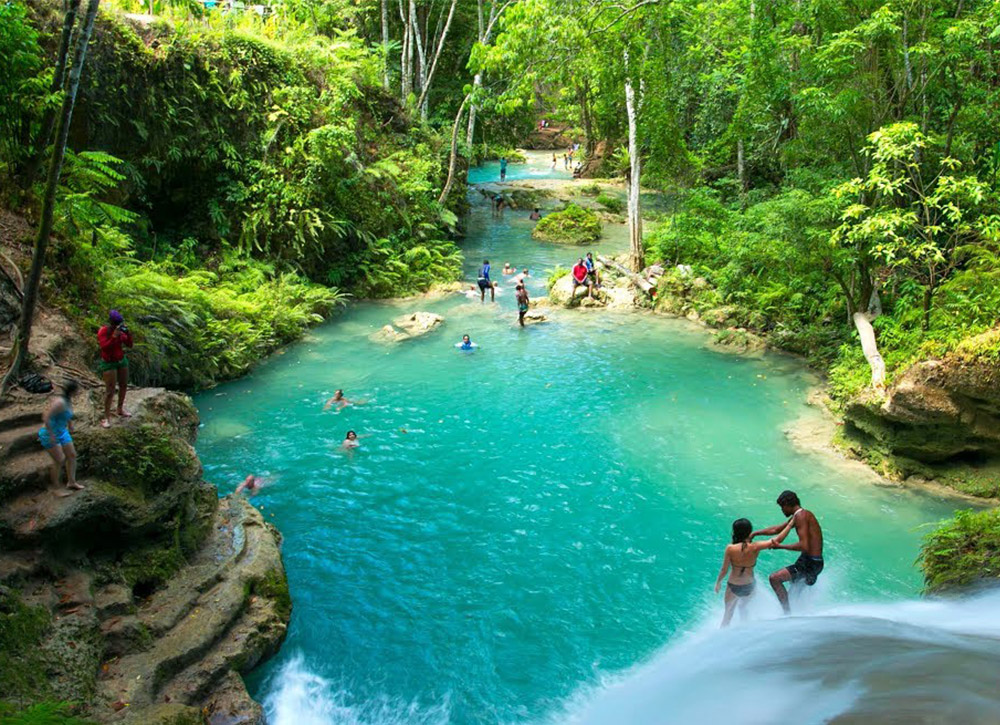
(23, 629)
(962, 552)
(572, 225)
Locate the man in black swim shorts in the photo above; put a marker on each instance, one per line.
(810, 562)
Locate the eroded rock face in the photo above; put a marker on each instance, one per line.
(154, 596)
(938, 411)
(406, 327)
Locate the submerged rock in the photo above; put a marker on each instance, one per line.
(408, 326)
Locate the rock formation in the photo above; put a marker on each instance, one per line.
(151, 596)
(937, 411)
(406, 327)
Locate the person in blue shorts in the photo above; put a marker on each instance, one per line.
(56, 437)
(485, 283)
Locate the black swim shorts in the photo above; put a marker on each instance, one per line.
(806, 567)
(484, 283)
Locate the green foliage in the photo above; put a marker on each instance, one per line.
(612, 203)
(22, 631)
(572, 225)
(590, 189)
(43, 713)
(962, 551)
(192, 328)
(24, 86)
(555, 275)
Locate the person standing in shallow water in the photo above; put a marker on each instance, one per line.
(810, 562)
(485, 283)
(741, 555)
(503, 168)
(521, 295)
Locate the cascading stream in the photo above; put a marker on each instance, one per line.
(524, 522)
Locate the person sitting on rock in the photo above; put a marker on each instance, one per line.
(581, 278)
(56, 438)
(591, 266)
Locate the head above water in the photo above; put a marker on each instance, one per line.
(465, 338)
(351, 436)
(524, 271)
(338, 394)
(789, 501)
(742, 529)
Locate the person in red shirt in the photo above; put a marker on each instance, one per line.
(581, 278)
(113, 338)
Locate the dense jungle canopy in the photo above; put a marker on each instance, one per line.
(234, 171)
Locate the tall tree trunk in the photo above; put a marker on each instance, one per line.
(422, 102)
(741, 168)
(453, 158)
(470, 132)
(863, 324)
(23, 337)
(637, 256)
(385, 44)
(58, 84)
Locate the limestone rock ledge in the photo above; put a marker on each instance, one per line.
(148, 595)
(938, 411)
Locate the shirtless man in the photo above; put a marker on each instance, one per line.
(250, 484)
(338, 400)
(810, 562)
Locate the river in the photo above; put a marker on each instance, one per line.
(531, 532)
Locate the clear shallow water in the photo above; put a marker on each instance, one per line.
(521, 521)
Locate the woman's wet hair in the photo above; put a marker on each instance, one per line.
(741, 530)
(349, 434)
(70, 388)
(788, 498)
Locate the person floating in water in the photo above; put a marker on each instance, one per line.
(350, 441)
(485, 283)
(466, 344)
(741, 555)
(508, 270)
(251, 484)
(535, 215)
(338, 401)
(503, 168)
(810, 562)
(519, 279)
(521, 295)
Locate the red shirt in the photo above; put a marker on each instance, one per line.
(111, 346)
(580, 272)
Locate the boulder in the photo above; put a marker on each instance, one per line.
(938, 410)
(562, 294)
(534, 317)
(405, 327)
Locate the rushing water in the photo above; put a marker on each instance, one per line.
(525, 528)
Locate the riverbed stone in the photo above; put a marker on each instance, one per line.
(408, 326)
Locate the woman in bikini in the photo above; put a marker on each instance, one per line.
(741, 555)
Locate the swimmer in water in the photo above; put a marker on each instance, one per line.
(337, 400)
(466, 344)
(741, 555)
(251, 484)
(507, 269)
(351, 441)
(535, 215)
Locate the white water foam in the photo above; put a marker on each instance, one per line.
(299, 696)
(912, 661)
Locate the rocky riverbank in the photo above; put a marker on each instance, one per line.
(143, 597)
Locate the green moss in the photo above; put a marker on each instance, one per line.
(612, 203)
(572, 225)
(140, 457)
(590, 190)
(23, 629)
(274, 586)
(44, 713)
(962, 551)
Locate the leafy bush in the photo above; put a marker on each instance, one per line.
(590, 189)
(612, 203)
(962, 551)
(555, 275)
(572, 225)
